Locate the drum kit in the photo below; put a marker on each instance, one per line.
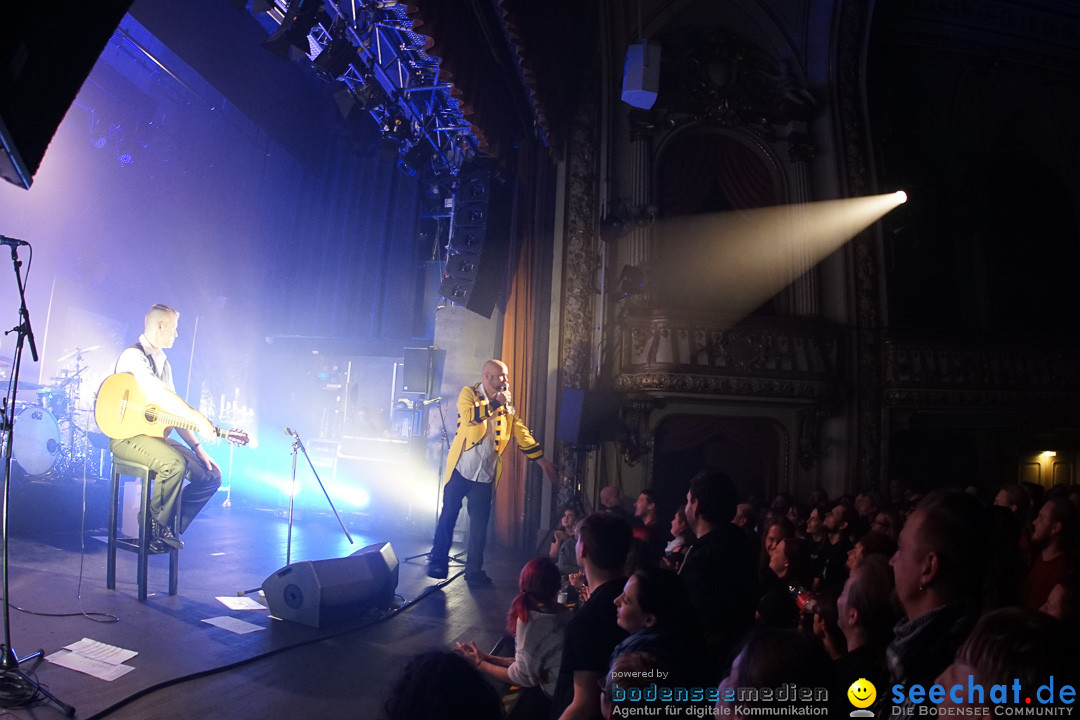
(51, 439)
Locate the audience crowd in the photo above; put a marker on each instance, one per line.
(733, 606)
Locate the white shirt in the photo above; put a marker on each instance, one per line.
(478, 462)
(135, 361)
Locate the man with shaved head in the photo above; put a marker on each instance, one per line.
(170, 460)
(486, 424)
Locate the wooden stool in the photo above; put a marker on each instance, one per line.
(141, 544)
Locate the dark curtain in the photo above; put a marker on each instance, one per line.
(708, 172)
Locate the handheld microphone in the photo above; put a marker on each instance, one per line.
(509, 408)
(12, 242)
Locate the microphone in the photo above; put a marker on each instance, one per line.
(425, 403)
(290, 432)
(508, 406)
(12, 241)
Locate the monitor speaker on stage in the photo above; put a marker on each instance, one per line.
(318, 593)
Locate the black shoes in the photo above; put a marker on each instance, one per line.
(163, 535)
(437, 570)
(478, 579)
(157, 547)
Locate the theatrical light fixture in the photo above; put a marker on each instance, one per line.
(373, 49)
(414, 158)
(901, 196)
(334, 59)
(292, 34)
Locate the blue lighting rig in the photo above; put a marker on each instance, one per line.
(370, 47)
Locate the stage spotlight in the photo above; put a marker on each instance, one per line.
(335, 59)
(370, 96)
(415, 158)
(397, 128)
(901, 196)
(294, 29)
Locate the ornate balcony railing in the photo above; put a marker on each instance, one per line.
(923, 372)
(786, 359)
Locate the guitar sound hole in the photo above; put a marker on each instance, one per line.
(150, 414)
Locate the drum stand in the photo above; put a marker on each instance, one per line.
(75, 448)
(9, 661)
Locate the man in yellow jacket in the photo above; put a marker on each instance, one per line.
(486, 423)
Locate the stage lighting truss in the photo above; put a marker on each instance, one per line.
(371, 48)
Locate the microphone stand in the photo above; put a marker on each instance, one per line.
(298, 445)
(444, 451)
(9, 661)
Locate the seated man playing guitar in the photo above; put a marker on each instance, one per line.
(145, 361)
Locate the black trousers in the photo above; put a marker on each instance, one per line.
(478, 496)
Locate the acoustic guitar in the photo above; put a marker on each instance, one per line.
(122, 411)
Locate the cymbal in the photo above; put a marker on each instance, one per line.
(76, 351)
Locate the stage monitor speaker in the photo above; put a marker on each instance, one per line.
(419, 367)
(641, 75)
(318, 593)
(46, 52)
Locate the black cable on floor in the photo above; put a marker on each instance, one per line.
(247, 661)
(98, 617)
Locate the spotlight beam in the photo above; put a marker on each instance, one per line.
(750, 255)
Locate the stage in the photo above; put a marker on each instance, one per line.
(186, 667)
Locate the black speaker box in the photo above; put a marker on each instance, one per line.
(587, 417)
(46, 52)
(418, 370)
(322, 592)
(641, 75)
(476, 273)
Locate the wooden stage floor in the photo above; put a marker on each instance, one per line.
(188, 668)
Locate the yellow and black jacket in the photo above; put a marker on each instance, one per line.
(474, 410)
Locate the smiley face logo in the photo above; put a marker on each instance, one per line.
(862, 693)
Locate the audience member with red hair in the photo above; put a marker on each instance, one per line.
(538, 623)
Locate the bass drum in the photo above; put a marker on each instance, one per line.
(36, 442)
